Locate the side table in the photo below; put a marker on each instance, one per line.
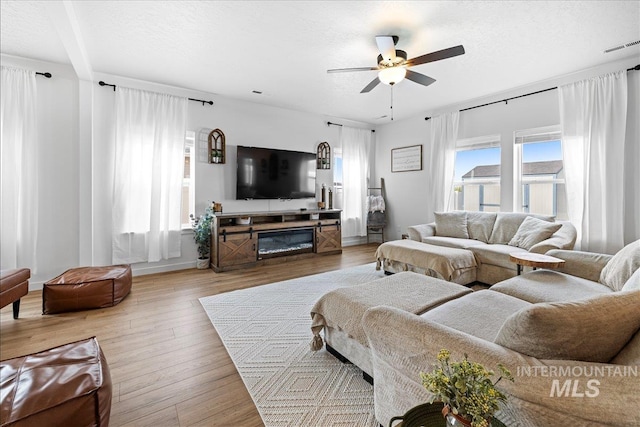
(534, 260)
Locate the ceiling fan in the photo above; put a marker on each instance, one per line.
(393, 64)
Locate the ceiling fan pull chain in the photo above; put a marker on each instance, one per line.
(391, 102)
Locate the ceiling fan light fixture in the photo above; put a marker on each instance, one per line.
(393, 75)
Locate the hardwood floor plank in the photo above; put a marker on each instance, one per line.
(165, 417)
(168, 364)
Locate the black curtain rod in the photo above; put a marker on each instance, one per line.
(47, 75)
(101, 83)
(506, 100)
(338, 124)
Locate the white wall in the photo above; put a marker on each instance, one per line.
(406, 196)
(71, 191)
(243, 123)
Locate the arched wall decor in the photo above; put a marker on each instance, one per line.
(217, 147)
(323, 156)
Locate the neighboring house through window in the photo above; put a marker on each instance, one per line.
(539, 172)
(477, 174)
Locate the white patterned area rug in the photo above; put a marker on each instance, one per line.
(267, 332)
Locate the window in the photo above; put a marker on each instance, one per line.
(539, 172)
(188, 175)
(337, 178)
(476, 184)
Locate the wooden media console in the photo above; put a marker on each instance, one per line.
(240, 240)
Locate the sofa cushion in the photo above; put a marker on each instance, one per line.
(550, 286)
(495, 254)
(507, 224)
(480, 225)
(480, 313)
(590, 330)
(451, 242)
(533, 231)
(633, 284)
(621, 267)
(452, 224)
(564, 238)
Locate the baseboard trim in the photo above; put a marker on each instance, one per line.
(143, 271)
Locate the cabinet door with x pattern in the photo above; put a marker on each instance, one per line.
(235, 249)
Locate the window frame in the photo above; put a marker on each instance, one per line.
(480, 143)
(189, 150)
(532, 136)
(337, 186)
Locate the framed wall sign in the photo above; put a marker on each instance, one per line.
(406, 159)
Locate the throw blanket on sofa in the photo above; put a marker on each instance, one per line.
(444, 260)
(343, 308)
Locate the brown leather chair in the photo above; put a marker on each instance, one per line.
(14, 284)
(69, 385)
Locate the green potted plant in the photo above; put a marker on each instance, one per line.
(202, 236)
(466, 389)
(216, 156)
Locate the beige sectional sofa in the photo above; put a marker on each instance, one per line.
(491, 237)
(571, 339)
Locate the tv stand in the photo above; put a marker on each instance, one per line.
(246, 239)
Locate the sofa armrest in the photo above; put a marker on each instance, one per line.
(404, 344)
(564, 238)
(587, 265)
(420, 231)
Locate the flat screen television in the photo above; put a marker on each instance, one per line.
(266, 173)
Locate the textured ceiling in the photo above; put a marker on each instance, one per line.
(283, 48)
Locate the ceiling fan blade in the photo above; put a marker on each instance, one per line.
(419, 78)
(387, 47)
(347, 70)
(371, 85)
(436, 56)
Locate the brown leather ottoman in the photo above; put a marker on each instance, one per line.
(14, 284)
(85, 288)
(68, 385)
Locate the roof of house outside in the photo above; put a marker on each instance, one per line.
(550, 167)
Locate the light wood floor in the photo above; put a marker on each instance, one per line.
(168, 364)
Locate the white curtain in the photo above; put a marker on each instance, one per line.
(150, 135)
(593, 120)
(19, 164)
(632, 160)
(356, 144)
(441, 157)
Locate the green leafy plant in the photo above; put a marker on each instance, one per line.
(466, 388)
(202, 232)
(216, 155)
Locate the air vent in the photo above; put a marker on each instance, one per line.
(622, 46)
